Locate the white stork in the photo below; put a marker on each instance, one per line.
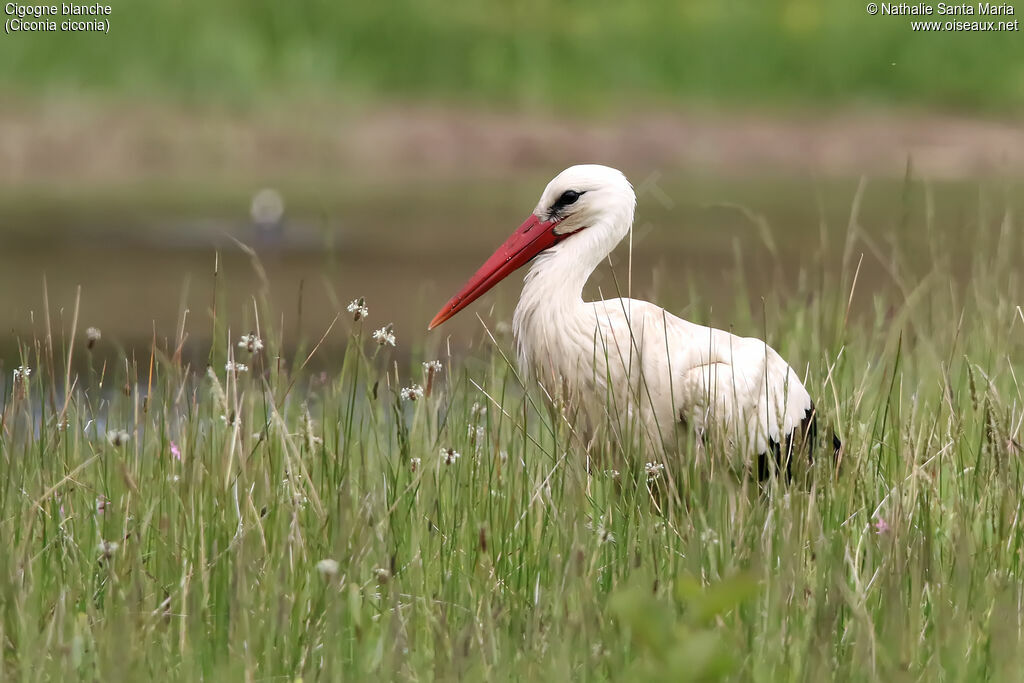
(630, 358)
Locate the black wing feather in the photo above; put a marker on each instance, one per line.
(803, 437)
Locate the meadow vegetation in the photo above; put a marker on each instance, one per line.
(249, 518)
(534, 53)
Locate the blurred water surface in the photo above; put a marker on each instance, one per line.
(700, 245)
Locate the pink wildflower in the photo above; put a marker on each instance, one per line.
(175, 451)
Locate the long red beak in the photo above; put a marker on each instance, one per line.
(531, 238)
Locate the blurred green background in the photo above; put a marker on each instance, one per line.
(405, 138)
(565, 56)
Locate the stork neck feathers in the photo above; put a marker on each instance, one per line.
(551, 324)
(551, 306)
(559, 274)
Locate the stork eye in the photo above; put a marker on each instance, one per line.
(568, 197)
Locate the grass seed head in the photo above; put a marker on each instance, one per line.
(217, 390)
(308, 428)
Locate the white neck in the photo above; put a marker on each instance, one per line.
(551, 314)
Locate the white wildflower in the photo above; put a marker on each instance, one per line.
(604, 534)
(358, 309)
(383, 575)
(267, 207)
(450, 455)
(92, 335)
(654, 470)
(477, 410)
(251, 343)
(233, 419)
(413, 393)
(613, 474)
(22, 373)
(328, 568)
(107, 548)
(118, 437)
(232, 366)
(431, 368)
(385, 335)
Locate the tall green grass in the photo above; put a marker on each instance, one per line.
(576, 56)
(522, 559)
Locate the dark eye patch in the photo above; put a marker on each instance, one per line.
(568, 197)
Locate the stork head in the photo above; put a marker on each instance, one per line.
(592, 199)
(586, 196)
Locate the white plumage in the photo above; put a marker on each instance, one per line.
(627, 359)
